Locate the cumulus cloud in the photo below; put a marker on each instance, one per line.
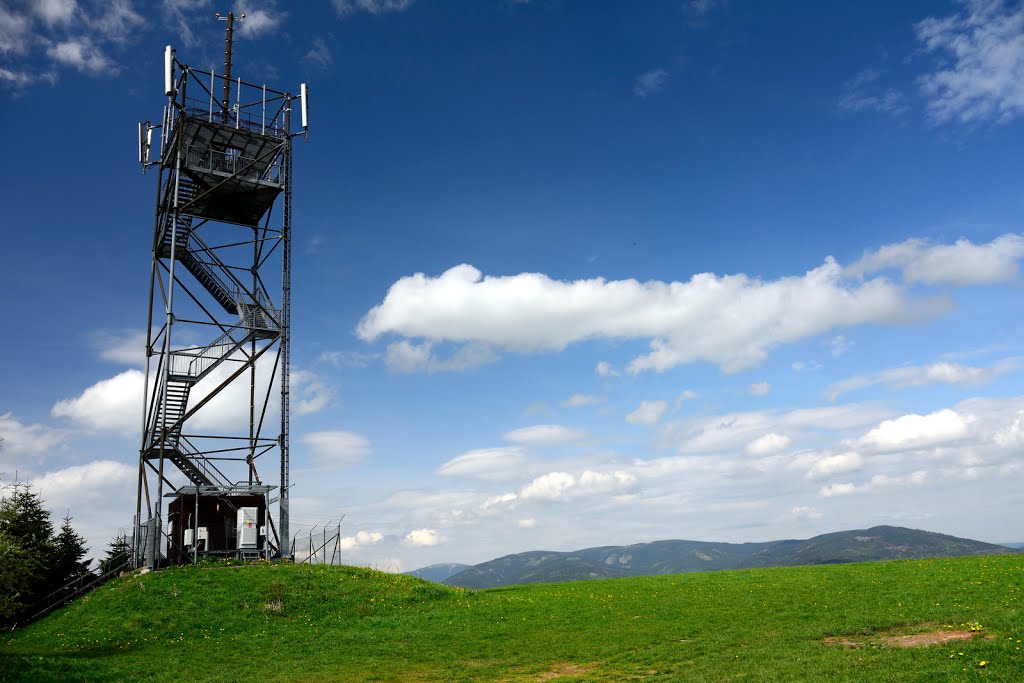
(544, 435)
(769, 444)
(925, 375)
(917, 431)
(982, 50)
(112, 404)
(361, 539)
(961, 263)
(647, 413)
(650, 83)
(54, 12)
(422, 538)
(81, 54)
(730, 320)
(484, 463)
(564, 486)
(337, 447)
(840, 463)
(605, 369)
(258, 22)
(550, 486)
(84, 484)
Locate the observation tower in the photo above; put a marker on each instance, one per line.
(213, 458)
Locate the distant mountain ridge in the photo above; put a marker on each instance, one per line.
(439, 573)
(675, 557)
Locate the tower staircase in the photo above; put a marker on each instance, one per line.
(186, 367)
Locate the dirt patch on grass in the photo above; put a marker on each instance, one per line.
(922, 639)
(564, 670)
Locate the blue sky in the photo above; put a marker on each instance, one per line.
(567, 273)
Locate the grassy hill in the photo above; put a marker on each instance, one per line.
(302, 623)
(674, 557)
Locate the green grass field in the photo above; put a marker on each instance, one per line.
(302, 623)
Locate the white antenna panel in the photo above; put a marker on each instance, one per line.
(304, 104)
(168, 70)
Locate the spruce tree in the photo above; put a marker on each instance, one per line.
(69, 551)
(117, 554)
(25, 521)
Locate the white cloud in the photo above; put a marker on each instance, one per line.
(20, 439)
(257, 22)
(876, 483)
(80, 54)
(319, 56)
(124, 346)
(345, 8)
(544, 435)
(361, 539)
(309, 393)
(729, 320)
(527, 523)
(605, 369)
(484, 463)
(768, 444)
(650, 83)
(686, 395)
(840, 463)
(84, 484)
(337, 447)
(647, 413)
(580, 400)
(759, 389)
(805, 512)
(837, 490)
(15, 31)
(565, 486)
(407, 357)
(925, 375)
(983, 58)
(503, 500)
(551, 486)
(117, 23)
(55, 11)
(917, 431)
(961, 263)
(422, 538)
(112, 404)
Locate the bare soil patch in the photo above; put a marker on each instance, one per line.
(923, 639)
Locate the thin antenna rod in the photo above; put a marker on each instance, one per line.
(225, 104)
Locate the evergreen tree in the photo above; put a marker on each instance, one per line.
(117, 554)
(68, 556)
(25, 521)
(23, 517)
(18, 570)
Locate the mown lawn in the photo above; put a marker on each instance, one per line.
(302, 623)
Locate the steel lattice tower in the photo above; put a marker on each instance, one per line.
(219, 317)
